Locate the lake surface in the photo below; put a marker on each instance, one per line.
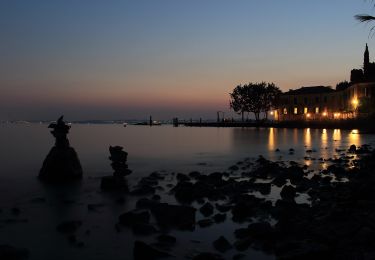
(23, 148)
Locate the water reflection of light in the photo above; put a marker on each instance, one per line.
(324, 144)
(295, 136)
(336, 134)
(271, 139)
(307, 163)
(308, 137)
(355, 137)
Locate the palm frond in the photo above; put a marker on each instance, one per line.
(364, 18)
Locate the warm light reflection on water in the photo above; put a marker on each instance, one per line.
(271, 139)
(355, 137)
(307, 137)
(324, 142)
(336, 135)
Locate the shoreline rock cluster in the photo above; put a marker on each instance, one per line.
(335, 222)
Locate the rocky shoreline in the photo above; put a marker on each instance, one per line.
(335, 219)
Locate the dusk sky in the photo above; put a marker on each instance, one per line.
(111, 59)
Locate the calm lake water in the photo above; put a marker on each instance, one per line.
(23, 148)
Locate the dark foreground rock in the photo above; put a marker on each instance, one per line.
(208, 256)
(8, 252)
(181, 217)
(142, 251)
(222, 244)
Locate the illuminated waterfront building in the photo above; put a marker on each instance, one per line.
(323, 103)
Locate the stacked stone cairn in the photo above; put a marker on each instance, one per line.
(61, 163)
(117, 181)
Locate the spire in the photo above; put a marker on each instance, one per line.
(366, 62)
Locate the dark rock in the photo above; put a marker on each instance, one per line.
(156, 197)
(223, 207)
(222, 244)
(143, 190)
(352, 148)
(182, 217)
(243, 244)
(143, 229)
(184, 192)
(288, 192)
(182, 177)
(94, 207)
(260, 230)
(120, 167)
(8, 252)
(167, 239)
(16, 211)
(238, 256)
(61, 163)
(220, 217)
(279, 181)
(263, 188)
(207, 209)
(69, 226)
(195, 175)
(134, 217)
(246, 207)
(111, 183)
(142, 251)
(208, 256)
(234, 168)
(144, 203)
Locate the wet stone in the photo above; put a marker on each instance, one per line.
(207, 209)
(222, 244)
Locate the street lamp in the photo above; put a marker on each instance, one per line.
(355, 103)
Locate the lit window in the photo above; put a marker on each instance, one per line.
(285, 111)
(317, 110)
(305, 110)
(295, 111)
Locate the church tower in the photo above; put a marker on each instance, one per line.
(366, 63)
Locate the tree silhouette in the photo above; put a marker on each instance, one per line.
(255, 98)
(238, 101)
(270, 97)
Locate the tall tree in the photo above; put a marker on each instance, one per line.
(255, 98)
(270, 98)
(238, 101)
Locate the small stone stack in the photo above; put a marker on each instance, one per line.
(117, 181)
(61, 163)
